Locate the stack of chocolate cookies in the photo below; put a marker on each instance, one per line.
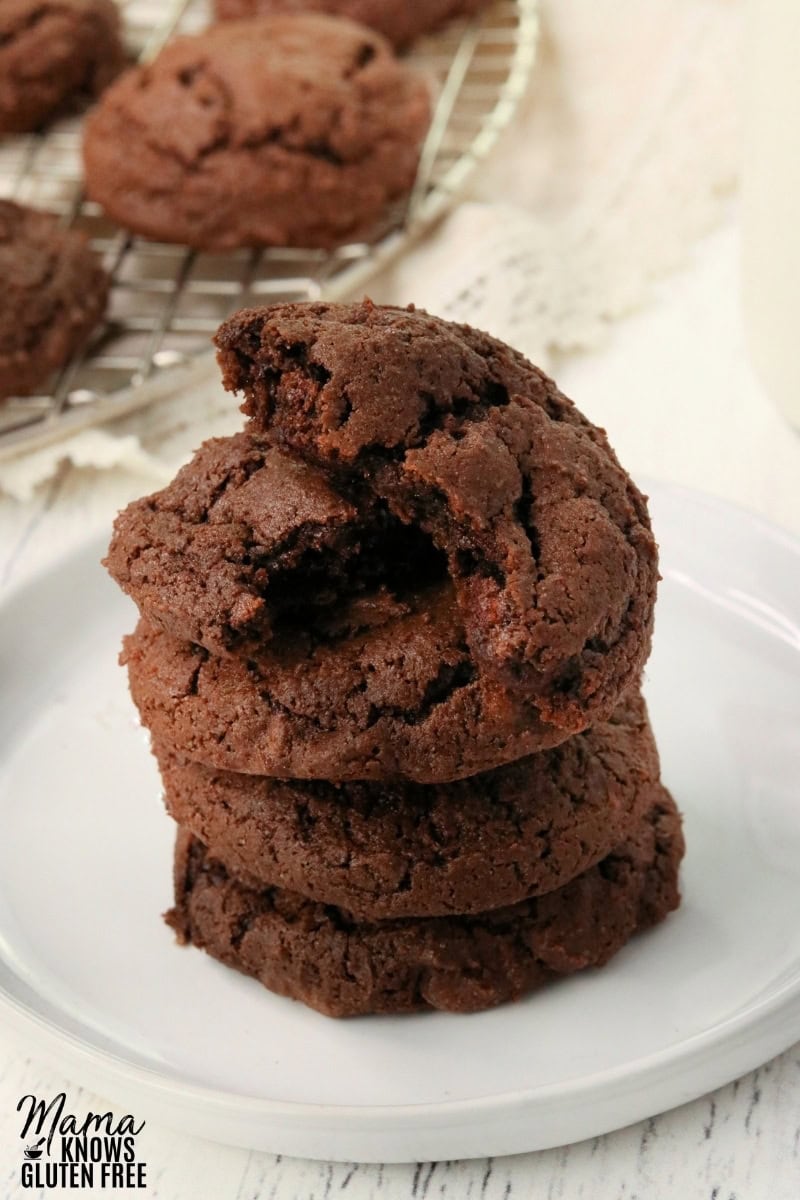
(390, 648)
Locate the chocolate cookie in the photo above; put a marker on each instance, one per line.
(547, 539)
(398, 20)
(53, 52)
(405, 850)
(379, 687)
(54, 293)
(244, 535)
(320, 955)
(282, 131)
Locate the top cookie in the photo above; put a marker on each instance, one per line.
(54, 293)
(398, 20)
(286, 130)
(52, 51)
(546, 538)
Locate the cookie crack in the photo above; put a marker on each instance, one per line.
(448, 680)
(287, 136)
(28, 21)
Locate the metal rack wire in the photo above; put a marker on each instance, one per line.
(166, 300)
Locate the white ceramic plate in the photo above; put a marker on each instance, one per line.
(85, 866)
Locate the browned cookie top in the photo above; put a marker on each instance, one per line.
(320, 955)
(401, 21)
(378, 687)
(286, 130)
(547, 539)
(245, 536)
(384, 850)
(54, 292)
(52, 51)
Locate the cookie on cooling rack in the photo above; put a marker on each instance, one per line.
(54, 293)
(53, 52)
(344, 967)
(282, 131)
(397, 849)
(398, 20)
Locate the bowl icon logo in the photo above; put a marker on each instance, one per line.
(35, 1151)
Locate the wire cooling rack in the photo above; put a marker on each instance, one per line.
(167, 301)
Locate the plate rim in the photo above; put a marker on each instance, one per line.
(443, 1130)
(695, 1043)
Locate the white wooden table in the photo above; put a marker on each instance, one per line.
(675, 391)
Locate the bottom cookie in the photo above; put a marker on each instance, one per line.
(341, 967)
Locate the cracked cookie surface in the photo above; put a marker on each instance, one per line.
(54, 294)
(53, 52)
(402, 850)
(377, 688)
(398, 20)
(245, 535)
(342, 967)
(283, 131)
(547, 539)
